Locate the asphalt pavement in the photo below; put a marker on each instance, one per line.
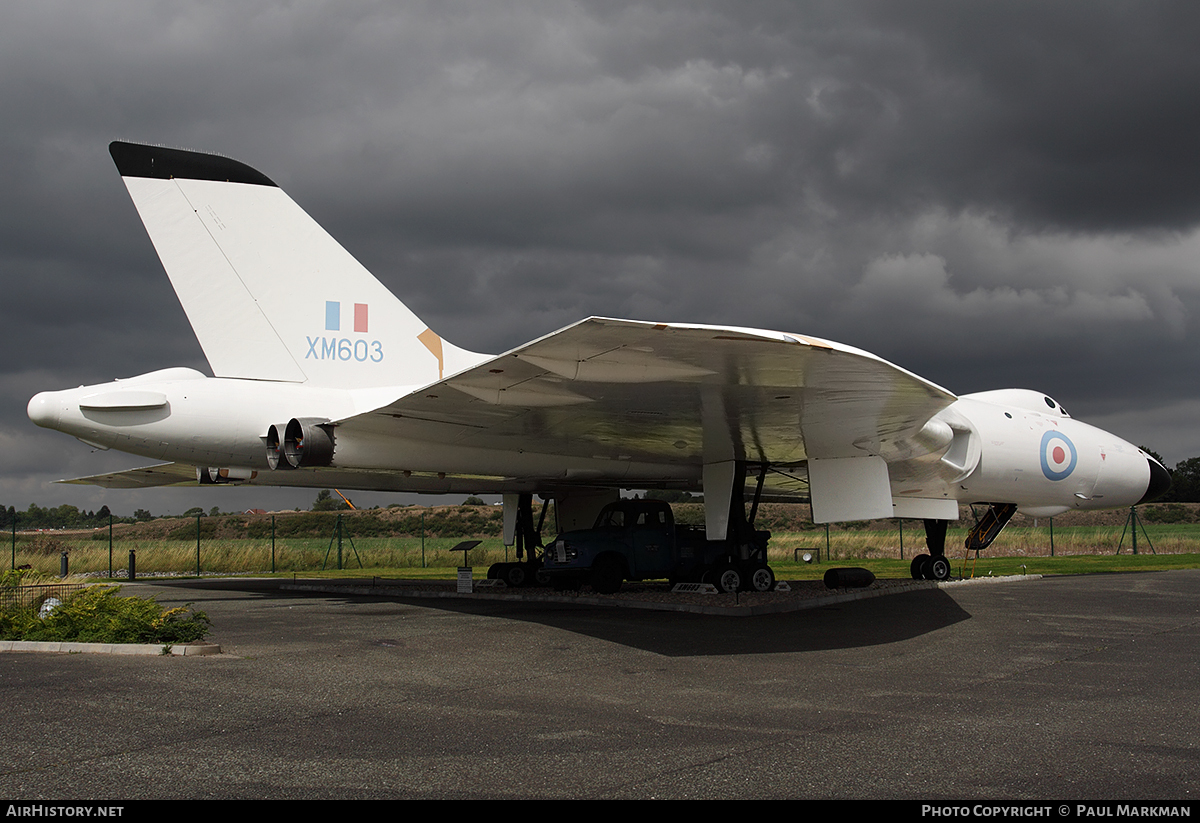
(1051, 689)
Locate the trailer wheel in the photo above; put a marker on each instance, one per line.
(762, 579)
(516, 576)
(729, 579)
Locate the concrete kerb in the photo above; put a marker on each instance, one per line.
(179, 649)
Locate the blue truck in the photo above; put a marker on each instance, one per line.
(639, 540)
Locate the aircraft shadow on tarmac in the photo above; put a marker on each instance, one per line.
(872, 622)
(855, 624)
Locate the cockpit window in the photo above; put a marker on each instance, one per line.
(1056, 406)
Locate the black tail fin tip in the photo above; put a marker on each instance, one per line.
(137, 160)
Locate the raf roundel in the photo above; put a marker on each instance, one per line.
(1058, 456)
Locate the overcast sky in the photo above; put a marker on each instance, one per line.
(987, 194)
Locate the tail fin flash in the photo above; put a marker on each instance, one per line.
(269, 294)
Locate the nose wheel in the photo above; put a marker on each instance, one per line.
(927, 567)
(933, 566)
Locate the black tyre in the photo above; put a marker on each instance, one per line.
(516, 576)
(920, 567)
(607, 574)
(761, 578)
(728, 579)
(496, 571)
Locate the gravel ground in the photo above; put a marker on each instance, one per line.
(797, 595)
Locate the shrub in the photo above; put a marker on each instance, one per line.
(98, 615)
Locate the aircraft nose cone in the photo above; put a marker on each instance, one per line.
(43, 410)
(1160, 481)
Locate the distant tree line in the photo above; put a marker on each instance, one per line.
(59, 517)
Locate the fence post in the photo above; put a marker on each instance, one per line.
(272, 544)
(197, 545)
(110, 545)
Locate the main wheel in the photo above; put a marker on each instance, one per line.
(762, 579)
(939, 568)
(920, 567)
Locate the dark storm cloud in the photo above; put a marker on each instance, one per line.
(988, 193)
(1076, 116)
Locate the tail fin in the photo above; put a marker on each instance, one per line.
(269, 294)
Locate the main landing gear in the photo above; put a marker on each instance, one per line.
(529, 549)
(744, 568)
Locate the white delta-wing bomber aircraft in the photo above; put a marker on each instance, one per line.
(322, 378)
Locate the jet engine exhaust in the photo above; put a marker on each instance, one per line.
(308, 442)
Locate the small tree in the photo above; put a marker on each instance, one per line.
(326, 502)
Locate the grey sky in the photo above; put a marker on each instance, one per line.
(987, 194)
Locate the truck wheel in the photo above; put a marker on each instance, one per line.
(762, 579)
(607, 574)
(496, 571)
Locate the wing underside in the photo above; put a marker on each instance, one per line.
(609, 392)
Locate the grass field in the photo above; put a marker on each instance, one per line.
(1078, 549)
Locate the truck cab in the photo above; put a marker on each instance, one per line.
(639, 540)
